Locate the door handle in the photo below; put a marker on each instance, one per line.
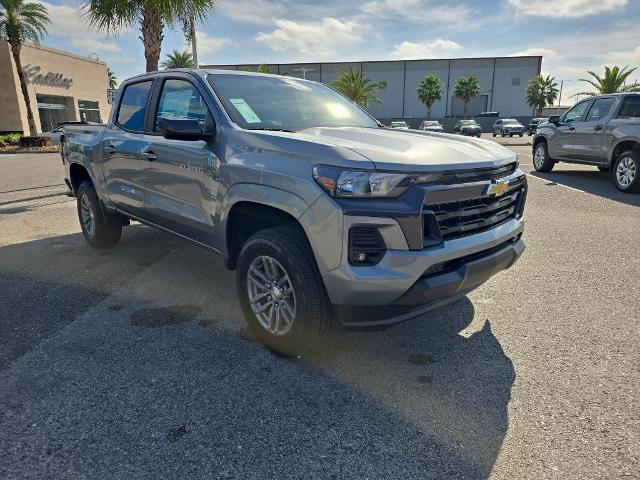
(597, 128)
(149, 156)
(111, 149)
(571, 129)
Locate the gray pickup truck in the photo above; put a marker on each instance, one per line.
(602, 131)
(328, 217)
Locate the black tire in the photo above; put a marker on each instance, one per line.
(312, 322)
(479, 135)
(107, 227)
(502, 134)
(547, 163)
(632, 161)
(521, 134)
(494, 133)
(604, 169)
(511, 135)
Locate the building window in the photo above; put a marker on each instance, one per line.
(89, 111)
(53, 111)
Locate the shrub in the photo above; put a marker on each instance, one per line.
(11, 138)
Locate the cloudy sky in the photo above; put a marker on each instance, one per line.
(572, 35)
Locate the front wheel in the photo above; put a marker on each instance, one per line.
(101, 229)
(626, 172)
(541, 160)
(521, 135)
(493, 133)
(281, 292)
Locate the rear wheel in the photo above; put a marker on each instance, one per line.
(521, 134)
(494, 133)
(626, 172)
(281, 293)
(101, 229)
(541, 160)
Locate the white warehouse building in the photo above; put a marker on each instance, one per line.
(503, 84)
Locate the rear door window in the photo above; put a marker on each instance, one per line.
(133, 106)
(599, 109)
(630, 107)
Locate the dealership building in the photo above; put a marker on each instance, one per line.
(62, 87)
(503, 84)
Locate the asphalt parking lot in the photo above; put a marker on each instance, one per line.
(135, 362)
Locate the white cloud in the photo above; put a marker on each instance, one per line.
(418, 10)
(439, 48)
(566, 8)
(94, 44)
(622, 58)
(312, 38)
(67, 21)
(207, 44)
(547, 53)
(253, 11)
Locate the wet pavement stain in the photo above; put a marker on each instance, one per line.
(246, 334)
(164, 316)
(177, 433)
(420, 359)
(425, 379)
(208, 322)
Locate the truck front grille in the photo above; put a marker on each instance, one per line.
(466, 217)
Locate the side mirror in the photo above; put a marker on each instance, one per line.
(184, 129)
(555, 119)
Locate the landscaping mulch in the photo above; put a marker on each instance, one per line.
(18, 149)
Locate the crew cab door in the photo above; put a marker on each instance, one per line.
(589, 133)
(180, 175)
(122, 164)
(562, 144)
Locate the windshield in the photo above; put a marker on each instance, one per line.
(398, 124)
(257, 102)
(509, 121)
(432, 124)
(468, 122)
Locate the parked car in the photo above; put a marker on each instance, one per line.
(508, 126)
(533, 125)
(327, 217)
(602, 131)
(489, 114)
(431, 126)
(400, 125)
(53, 135)
(469, 128)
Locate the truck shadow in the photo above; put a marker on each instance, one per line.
(143, 349)
(594, 182)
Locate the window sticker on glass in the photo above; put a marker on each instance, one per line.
(245, 110)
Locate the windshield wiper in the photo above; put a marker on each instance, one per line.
(273, 129)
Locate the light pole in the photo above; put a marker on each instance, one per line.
(304, 71)
(560, 96)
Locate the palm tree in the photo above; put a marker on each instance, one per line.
(429, 91)
(263, 68)
(112, 16)
(352, 84)
(613, 81)
(178, 59)
(113, 80)
(21, 22)
(541, 92)
(465, 89)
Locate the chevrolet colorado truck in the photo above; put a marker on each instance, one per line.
(602, 131)
(329, 217)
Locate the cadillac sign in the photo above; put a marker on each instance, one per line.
(50, 79)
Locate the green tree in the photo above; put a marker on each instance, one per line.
(113, 80)
(177, 59)
(23, 22)
(613, 81)
(352, 84)
(112, 16)
(542, 92)
(465, 89)
(430, 91)
(263, 68)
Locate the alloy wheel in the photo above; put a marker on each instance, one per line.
(88, 216)
(626, 172)
(271, 295)
(539, 156)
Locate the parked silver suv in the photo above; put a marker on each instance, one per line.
(508, 126)
(328, 217)
(602, 131)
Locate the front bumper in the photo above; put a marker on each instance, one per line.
(471, 133)
(431, 291)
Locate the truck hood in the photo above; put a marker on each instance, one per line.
(412, 150)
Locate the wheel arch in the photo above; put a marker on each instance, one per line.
(78, 173)
(621, 147)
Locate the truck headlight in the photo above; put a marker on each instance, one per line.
(338, 182)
